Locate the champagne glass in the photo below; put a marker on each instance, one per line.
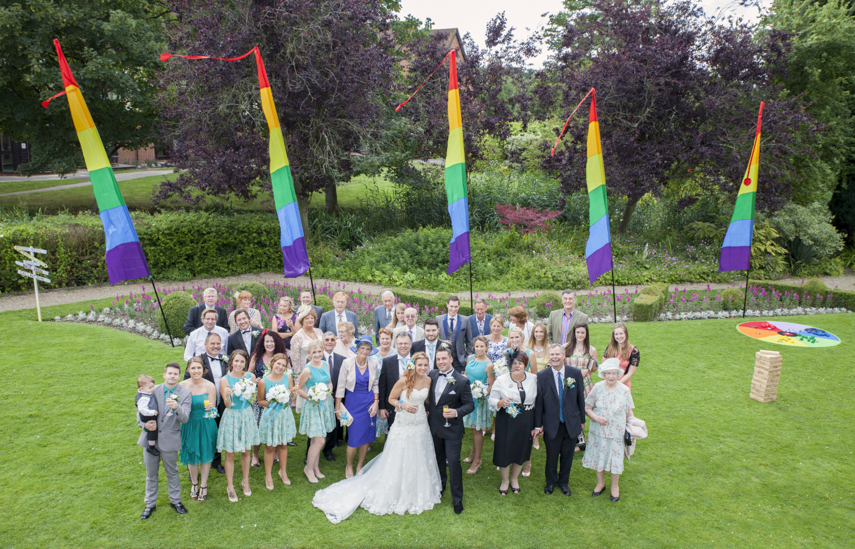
(445, 409)
(207, 412)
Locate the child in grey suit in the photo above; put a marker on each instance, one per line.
(147, 409)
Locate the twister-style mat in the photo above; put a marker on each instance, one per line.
(787, 333)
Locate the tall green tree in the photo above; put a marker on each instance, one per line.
(112, 47)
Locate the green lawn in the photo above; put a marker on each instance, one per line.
(137, 195)
(16, 186)
(718, 469)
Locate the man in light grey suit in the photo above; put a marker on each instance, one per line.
(384, 314)
(455, 331)
(559, 328)
(331, 319)
(480, 321)
(416, 333)
(173, 401)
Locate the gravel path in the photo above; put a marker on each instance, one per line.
(62, 296)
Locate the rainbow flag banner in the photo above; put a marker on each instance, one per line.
(124, 257)
(598, 251)
(455, 176)
(295, 257)
(736, 249)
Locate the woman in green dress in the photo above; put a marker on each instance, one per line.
(238, 429)
(199, 434)
(277, 427)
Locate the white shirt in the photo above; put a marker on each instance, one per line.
(196, 342)
(559, 378)
(247, 339)
(217, 372)
(402, 364)
(480, 325)
(430, 350)
(441, 383)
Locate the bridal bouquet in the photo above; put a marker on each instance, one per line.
(245, 389)
(319, 393)
(479, 389)
(500, 367)
(279, 394)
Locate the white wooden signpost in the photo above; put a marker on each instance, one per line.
(35, 272)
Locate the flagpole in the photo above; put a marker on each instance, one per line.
(614, 293)
(312, 282)
(165, 322)
(747, 274)
(472, 194)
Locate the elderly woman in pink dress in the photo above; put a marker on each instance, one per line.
(609, 405)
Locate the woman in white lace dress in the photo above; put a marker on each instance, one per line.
(404, 478)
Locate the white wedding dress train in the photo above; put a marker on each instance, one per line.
(404, 478)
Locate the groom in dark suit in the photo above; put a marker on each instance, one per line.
(559, 414)
(450, 389)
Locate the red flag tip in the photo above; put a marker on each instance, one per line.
(164, 57)
(45, 104)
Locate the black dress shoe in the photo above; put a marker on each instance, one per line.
(220, 469)
(612, 498)
(148, 511)
(458, 507)
(548, 489)
(441, 493)
(153, 451)
(565, 490)
(329, 456)
(179, 508)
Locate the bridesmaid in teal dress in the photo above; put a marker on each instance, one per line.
(238, 429)
(199, 434)
(277, 426)
(479, 368)
(317, 419)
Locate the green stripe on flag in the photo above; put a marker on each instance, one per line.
(455, 182)
(283, 187)
(744, 208)
(598, 207)
(106, 189)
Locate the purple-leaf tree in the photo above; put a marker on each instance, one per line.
(677, 98)
(331, 69)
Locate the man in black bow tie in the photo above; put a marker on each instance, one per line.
(246, 336)
(450, 399)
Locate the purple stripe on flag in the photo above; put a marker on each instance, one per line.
(599, 262)
(458, 252)
(295, 258)
(126, 262)
(734, 258)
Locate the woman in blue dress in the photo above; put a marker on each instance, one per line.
(277, 426)
(317, 418)
(358, 385)
(479, 368)
(238, 430)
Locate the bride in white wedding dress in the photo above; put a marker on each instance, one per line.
(404, 478)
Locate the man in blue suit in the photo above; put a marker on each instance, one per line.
(331, 319)
(306, 298)
(384, 314)
(479, 323)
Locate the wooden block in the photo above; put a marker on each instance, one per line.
(764, 399)
(768, 353)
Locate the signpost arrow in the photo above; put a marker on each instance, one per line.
(31, 265)
(31, 275)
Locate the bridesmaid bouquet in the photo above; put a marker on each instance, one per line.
(479, 389)
(245, 389)
(212, 413)
(279, 395)
(319, 393)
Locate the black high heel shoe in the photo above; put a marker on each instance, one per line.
(600, 493)
(612, 498)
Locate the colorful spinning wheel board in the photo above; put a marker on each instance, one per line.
(787, 333)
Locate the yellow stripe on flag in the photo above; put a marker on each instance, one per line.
(269, 108)
(278, 156)
(79, 112)
(751, 172)
(454, 120)
(595, 172)
(594, 147)
(455, 147)
(93, 149)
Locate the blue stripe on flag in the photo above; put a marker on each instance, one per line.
(459, 212)
(739, 233)
(291, 228)
(118, 227)
(599, 235)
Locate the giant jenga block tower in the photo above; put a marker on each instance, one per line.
(767, 373)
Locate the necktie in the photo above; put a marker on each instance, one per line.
(411, 335)
(388, 316)
(452, 334)
(560, 399)
(340, 320)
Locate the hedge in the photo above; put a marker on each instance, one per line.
(546, 302)
(649, 302)
(175, 306)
